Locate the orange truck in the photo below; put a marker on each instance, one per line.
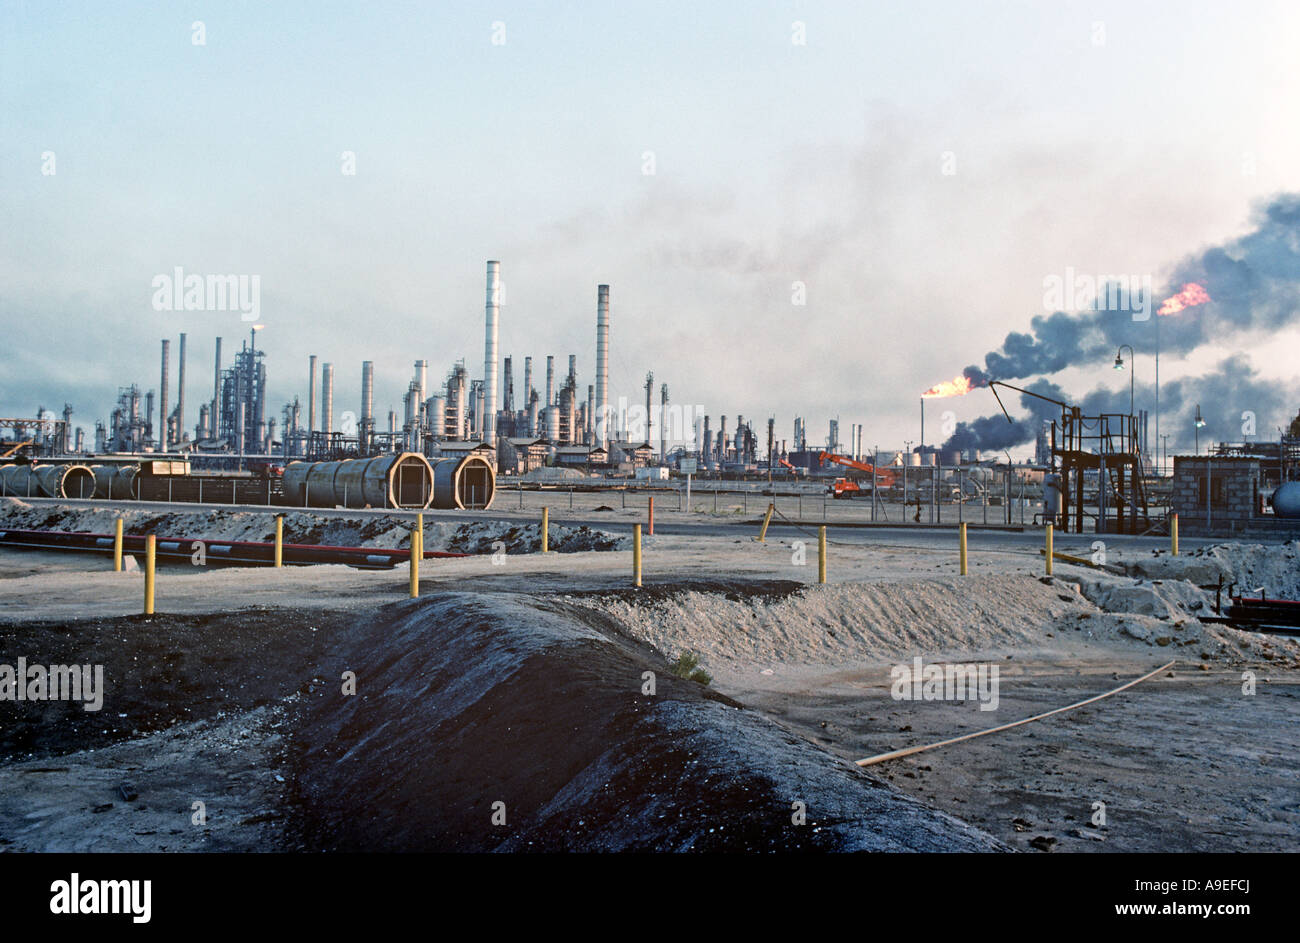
(847, 487)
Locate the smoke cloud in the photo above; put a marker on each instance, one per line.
(1233, 398)
(1254, 282)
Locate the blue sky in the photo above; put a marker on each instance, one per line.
(774, 163)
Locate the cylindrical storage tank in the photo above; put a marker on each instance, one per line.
(1051, 496)
(1286, 500)
(553, 425)
(914, 459)
(950, 457)
(533, 428)
(467, 483)
(438, 415)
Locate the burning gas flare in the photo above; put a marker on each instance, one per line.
(1191, 295)
(959, 385)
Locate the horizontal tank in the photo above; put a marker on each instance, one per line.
(467, 483)
(114, 481)
(400, 480)
(47, 481)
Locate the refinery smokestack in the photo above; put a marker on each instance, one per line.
(367, 403)
(327, 398)
(602, 364)
(215, 412)
(311, 399)
(164, 439)
(528, 381)
(550, 381)
(488, 423)
(180, 394)
(591, 407)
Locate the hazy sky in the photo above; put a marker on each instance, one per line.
(920, 167)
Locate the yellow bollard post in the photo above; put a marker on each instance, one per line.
(636, 555)
(1173, 534)
(767, 519)
(117, 546)
(652, 515)
(417, 551)
(150, 558)
(279, 540)
(546, 527)
(962, 531)
(821, 554)
(1049, 549)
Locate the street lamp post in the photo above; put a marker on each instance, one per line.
(1119, 365)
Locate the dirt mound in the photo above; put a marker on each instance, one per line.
(1273, 567)
(491, 536)
(880, 622)
(474, 706)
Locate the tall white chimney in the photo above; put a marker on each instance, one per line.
(488, 422)
(602, 365)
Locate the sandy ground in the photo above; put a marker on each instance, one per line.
(1185, 763)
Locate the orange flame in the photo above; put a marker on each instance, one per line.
(1191, 295)
(958, 386)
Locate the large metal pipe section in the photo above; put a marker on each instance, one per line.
(602, 364)
(467, 483)
(48, 481)
(488, 422)
(311, 398)
(327, 398)
(115, 481)
(164, 436)
(397, 480)
(14, 480)
(180, 393)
